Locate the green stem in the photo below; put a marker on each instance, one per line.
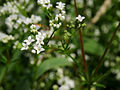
(50, 37)
(72, 58)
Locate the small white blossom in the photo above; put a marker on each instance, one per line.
(33, 51)
(5, 38)
(33, 30)
(64, 87)
(25, 46)
(66, 81)
(29, 41)
(80, 18)
(15, 44)
(45, 3)
(51, 22)
(60, 5)
(40, 37)
(35, 19)
(63, 12)
(38, 48)
(49, 5)
(60, 16)
(33, 26)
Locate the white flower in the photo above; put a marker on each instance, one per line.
(40, 41)
(25, 46)
(66, 81)
(70, 83)
(28, 21)
(59, 16)
(29, 41)
(33, 51)
(49, 5)
(58, 25)
(51, 22)
(33, 30)
(56, 18)
(5, 38)
(15, 44)
(38, 48)
(64, 87)
(35, 19)
(11, 37)
(40, 37)
(63, 12)
(45, 3)
(80, 18)
(60, 5)
(33, 26)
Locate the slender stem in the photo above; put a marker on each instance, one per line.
(108, 46)
(81, 42)
(50, 36)
(72, 58)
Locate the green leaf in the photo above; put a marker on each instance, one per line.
(98, 85)
(3, 58)
(93, 47)
(50, 64)
(103, 76)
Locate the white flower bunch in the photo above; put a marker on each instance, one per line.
(15, 18)
(35, 43)
(56, 23)
(5, 38)
(9, 8)
(14, 21)
(45, 3)
(64, 81)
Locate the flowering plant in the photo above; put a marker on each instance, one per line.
(48, 44)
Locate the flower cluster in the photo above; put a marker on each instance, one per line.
(38, 42)
(10, 8)
(36, 47)
(64, 81)
(35, 42)
(5, 38)
(14, 21)
(59, 17)
(45, 3)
